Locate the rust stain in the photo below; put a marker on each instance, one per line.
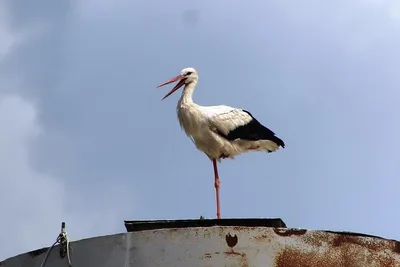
(231, 240)
(289, 232)
(241, 228)
(205, 256)
(207, 234)
(262, 238)
(333, 258)
(338, 240)
(294, 257)
(230, 253)
(367, 242)
(244, 261)
(342, 239)
(243, 257)
(316, 239)
(339, 250)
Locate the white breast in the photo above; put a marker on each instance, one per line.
(190, 119)
(195, 123)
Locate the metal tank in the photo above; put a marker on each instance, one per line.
(212, 243)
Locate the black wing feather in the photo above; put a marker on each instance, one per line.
(253, 131)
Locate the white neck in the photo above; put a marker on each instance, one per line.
(186, 97)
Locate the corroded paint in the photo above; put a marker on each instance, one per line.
(225, 246)
(231, 241)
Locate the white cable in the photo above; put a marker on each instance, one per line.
(48, 252)
(61, 239)
(67, 244)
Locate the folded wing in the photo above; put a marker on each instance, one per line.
(233, 123)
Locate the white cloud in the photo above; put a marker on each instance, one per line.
(26, 196)
(33, 203)
(10, 38)
(390, 7)
(23, 191)
(6, 37)
(394, 9)
(30, 201)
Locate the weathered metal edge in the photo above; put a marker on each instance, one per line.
(138, 225)
(142, 225)
(277, 224)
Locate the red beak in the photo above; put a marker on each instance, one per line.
(179, 85)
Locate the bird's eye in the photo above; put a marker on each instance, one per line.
(188, 73)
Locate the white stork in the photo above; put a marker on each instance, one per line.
(219, 131)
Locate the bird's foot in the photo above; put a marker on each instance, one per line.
(223, 156)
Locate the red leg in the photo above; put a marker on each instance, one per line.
(217, 184)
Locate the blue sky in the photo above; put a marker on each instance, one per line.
(86, 139)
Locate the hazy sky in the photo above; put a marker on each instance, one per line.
(86, 139)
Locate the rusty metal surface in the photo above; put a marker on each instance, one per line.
(224, 246)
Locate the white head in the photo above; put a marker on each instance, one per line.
(188, 75)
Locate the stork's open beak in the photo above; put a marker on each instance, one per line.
(179, 85)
